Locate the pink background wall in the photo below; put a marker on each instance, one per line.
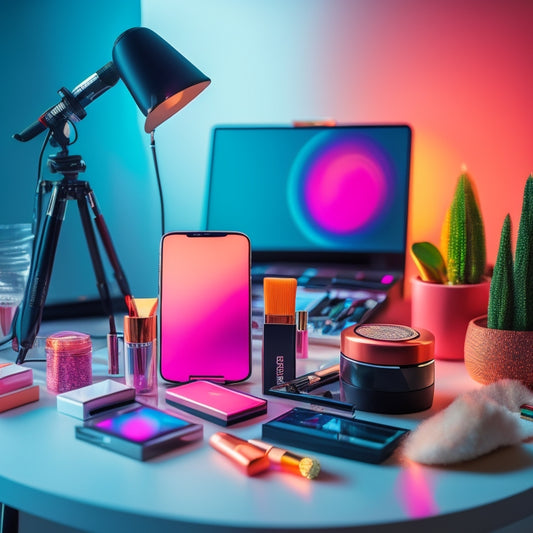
(460, 72)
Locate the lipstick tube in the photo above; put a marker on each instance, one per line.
(115, 353)
(249, 458)
(140, 353)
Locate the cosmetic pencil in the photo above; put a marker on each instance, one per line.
(289, 461)
(279, 331)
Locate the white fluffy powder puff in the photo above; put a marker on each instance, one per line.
(474, 424)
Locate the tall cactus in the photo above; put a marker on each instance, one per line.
(523, 264)
(464, 236)
(511, 290)
(501, 300)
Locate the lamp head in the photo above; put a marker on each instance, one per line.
(158, 77)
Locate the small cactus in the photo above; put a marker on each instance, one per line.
(465, 248)
(501, 300)
(511, 290)
(523, 264)
(462, 242)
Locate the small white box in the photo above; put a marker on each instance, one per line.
(89, 401)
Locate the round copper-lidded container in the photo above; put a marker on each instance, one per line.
(387, 368)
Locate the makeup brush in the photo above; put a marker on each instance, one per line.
(280, 300)
(279, 332)
(314, 379)
(307, 467)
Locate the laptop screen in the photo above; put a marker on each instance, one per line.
(321, 194)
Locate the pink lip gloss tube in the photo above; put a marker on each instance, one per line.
(302, 340)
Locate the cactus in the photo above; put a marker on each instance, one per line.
(462, 242)
(523, 264)
(501, 300)
(465, 247)
(511, 291)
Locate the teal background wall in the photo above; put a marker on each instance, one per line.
(59, 43)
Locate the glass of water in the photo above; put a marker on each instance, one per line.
(16, 241)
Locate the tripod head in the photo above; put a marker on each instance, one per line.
(63, 163)
(67, 165)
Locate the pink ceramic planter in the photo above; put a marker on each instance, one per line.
(494, 354)
(446, 310)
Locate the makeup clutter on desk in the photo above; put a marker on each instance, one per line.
(381, 368)
(116, 417)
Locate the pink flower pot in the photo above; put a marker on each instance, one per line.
(446, 311)
(494, 354)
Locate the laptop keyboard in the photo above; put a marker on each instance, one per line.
(329, 311)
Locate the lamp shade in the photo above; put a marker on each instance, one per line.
(159, 78)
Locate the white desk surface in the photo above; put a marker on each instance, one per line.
(47, 472)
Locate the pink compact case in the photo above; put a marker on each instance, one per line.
(215, 402)
(14, 377)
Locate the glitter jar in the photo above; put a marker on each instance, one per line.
(68, 361)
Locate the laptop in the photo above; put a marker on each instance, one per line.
(326, 205)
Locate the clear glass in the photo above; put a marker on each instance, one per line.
(16, 241)
(140, 366)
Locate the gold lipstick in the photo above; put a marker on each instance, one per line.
(289, 461)
(249, 458)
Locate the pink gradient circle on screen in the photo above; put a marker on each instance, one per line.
(338, 188)
(343, 193)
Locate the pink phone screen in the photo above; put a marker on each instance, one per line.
(205, 307)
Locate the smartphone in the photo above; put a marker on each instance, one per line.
(205, 307)
(139, 431)
(333, 434)
(215, 402)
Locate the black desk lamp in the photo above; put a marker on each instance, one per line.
(159, 78)
(162, 82)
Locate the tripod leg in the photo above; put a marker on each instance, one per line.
(90, 237)
(30, 312)
(9, 519)
(103, 289)
(108, 245)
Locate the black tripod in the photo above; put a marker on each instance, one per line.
(29, 315)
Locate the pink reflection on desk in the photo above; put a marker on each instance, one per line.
(415, 492)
